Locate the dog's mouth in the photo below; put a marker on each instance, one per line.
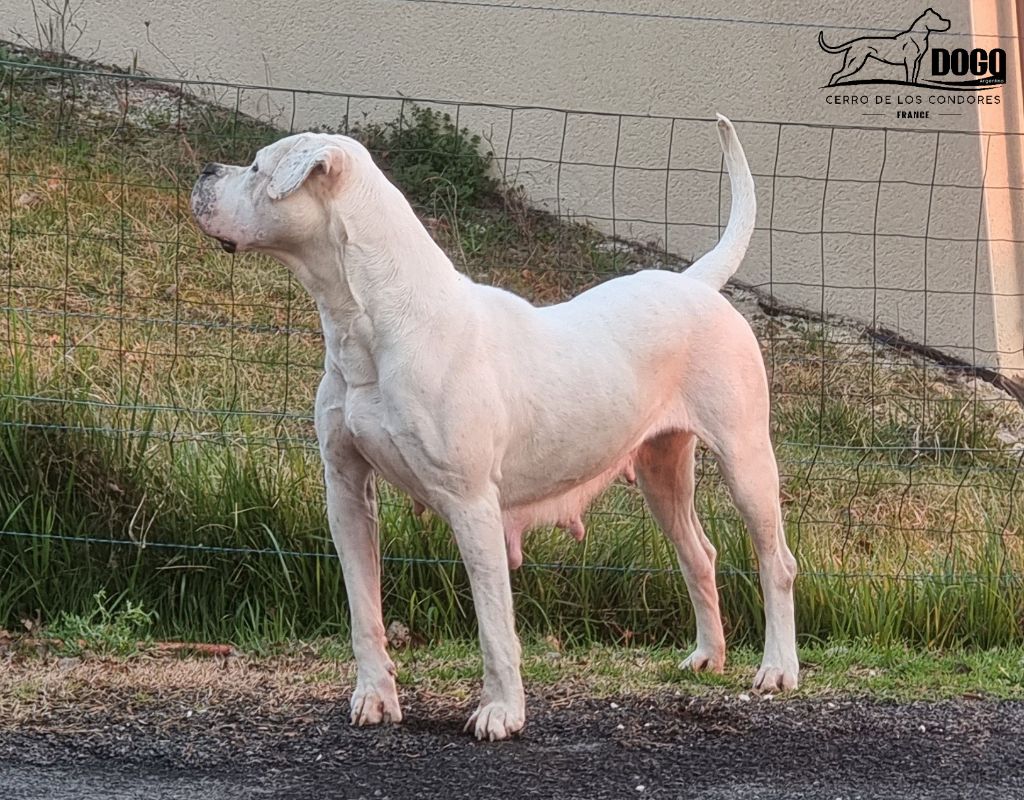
(227, 245)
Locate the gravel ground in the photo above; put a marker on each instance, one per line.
(113, 740)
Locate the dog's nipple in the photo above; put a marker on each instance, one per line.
(514, 547)
(576, 529)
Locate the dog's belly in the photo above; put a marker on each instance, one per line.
(585, 435)
(563, 509)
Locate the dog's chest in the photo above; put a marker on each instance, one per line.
(375, 431)
(378, 439)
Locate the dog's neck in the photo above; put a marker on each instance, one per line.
(390, 282)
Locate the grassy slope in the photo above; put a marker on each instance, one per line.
(159, 390)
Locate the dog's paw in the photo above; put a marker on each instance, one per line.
(701, 660)
(494, 721)
(771, 678)
(372, 705)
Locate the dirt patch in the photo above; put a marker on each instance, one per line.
(229, 729)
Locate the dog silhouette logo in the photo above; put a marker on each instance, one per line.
(906, 49)
(910, 51)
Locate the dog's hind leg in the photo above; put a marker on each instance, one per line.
(750, 470)
(665, 471)
(854, 61)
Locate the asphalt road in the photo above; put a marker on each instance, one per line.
(652, 747)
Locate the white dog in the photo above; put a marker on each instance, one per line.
(501, 416)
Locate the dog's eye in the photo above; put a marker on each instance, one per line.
(255, 168)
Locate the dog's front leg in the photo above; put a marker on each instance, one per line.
(352, 513)
(481, 539)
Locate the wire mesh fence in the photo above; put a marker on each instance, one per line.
(158, 393)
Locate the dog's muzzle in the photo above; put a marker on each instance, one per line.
(201, 200)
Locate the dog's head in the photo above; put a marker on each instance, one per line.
(284, 197)
(933, 21)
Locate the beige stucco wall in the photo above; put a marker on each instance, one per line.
(652, 63)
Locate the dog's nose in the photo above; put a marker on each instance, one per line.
(211, 169)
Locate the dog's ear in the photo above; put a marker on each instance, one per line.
(295, 168)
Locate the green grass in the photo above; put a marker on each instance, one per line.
(156, 390)
(840, 669)
(111, 628)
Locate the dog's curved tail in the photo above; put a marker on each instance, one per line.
(828, 48)
(717, 266)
